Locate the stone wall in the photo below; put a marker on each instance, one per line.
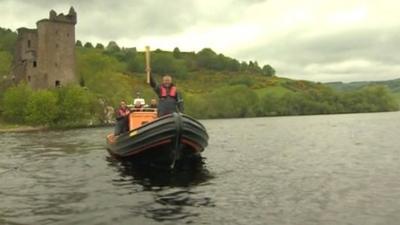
(45, 57)
(25, 60)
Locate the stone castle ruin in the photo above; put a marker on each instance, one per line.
(45, 57)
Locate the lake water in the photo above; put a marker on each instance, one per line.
(336, 169)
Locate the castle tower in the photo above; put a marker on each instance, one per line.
(50, 59)
(25, 60)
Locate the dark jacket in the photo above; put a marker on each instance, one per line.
(122, 124)
(169, 104)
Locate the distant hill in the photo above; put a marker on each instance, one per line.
(392, 85)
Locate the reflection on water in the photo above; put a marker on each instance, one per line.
(171, 189)
(151, 177)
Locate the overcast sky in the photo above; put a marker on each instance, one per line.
(325, 40)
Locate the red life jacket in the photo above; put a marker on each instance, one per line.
(163, 91)
(122, 112)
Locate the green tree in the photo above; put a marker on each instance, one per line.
(8, 39)
(232, 65)
(374, 98)
(42, 108)
(14, 102)
(196, 106)
(136, 64)
(232, 101)
(130, 53)
(177, 53)
(163, 63)
(206, 58)
(113, 46)
(78, 43)
(244, 67)
(99, 46)
(131, 60)
(91, 61)
(88, 45)
(271, 104)
(267, 70)
(254, 67)
(75, 104)
(5, 63)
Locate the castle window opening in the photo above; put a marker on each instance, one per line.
(58, 83)
(34, 64)
(29, 43)
(29, 78)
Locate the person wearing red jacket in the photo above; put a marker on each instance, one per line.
(122, 117)
(170, 100)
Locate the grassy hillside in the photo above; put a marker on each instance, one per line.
(392, 85)
(213, 86)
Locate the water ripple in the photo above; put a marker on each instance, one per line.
(339, 169)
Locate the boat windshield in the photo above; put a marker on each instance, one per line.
(140, 118)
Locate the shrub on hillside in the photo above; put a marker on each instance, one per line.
(232, 101)
(72, 105)
(42, 108)
(76, 105)
(14, 103)
(196, 106)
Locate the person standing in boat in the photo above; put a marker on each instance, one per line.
(170, 100)
(122, 124)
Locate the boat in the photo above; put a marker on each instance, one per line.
(161, 141)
